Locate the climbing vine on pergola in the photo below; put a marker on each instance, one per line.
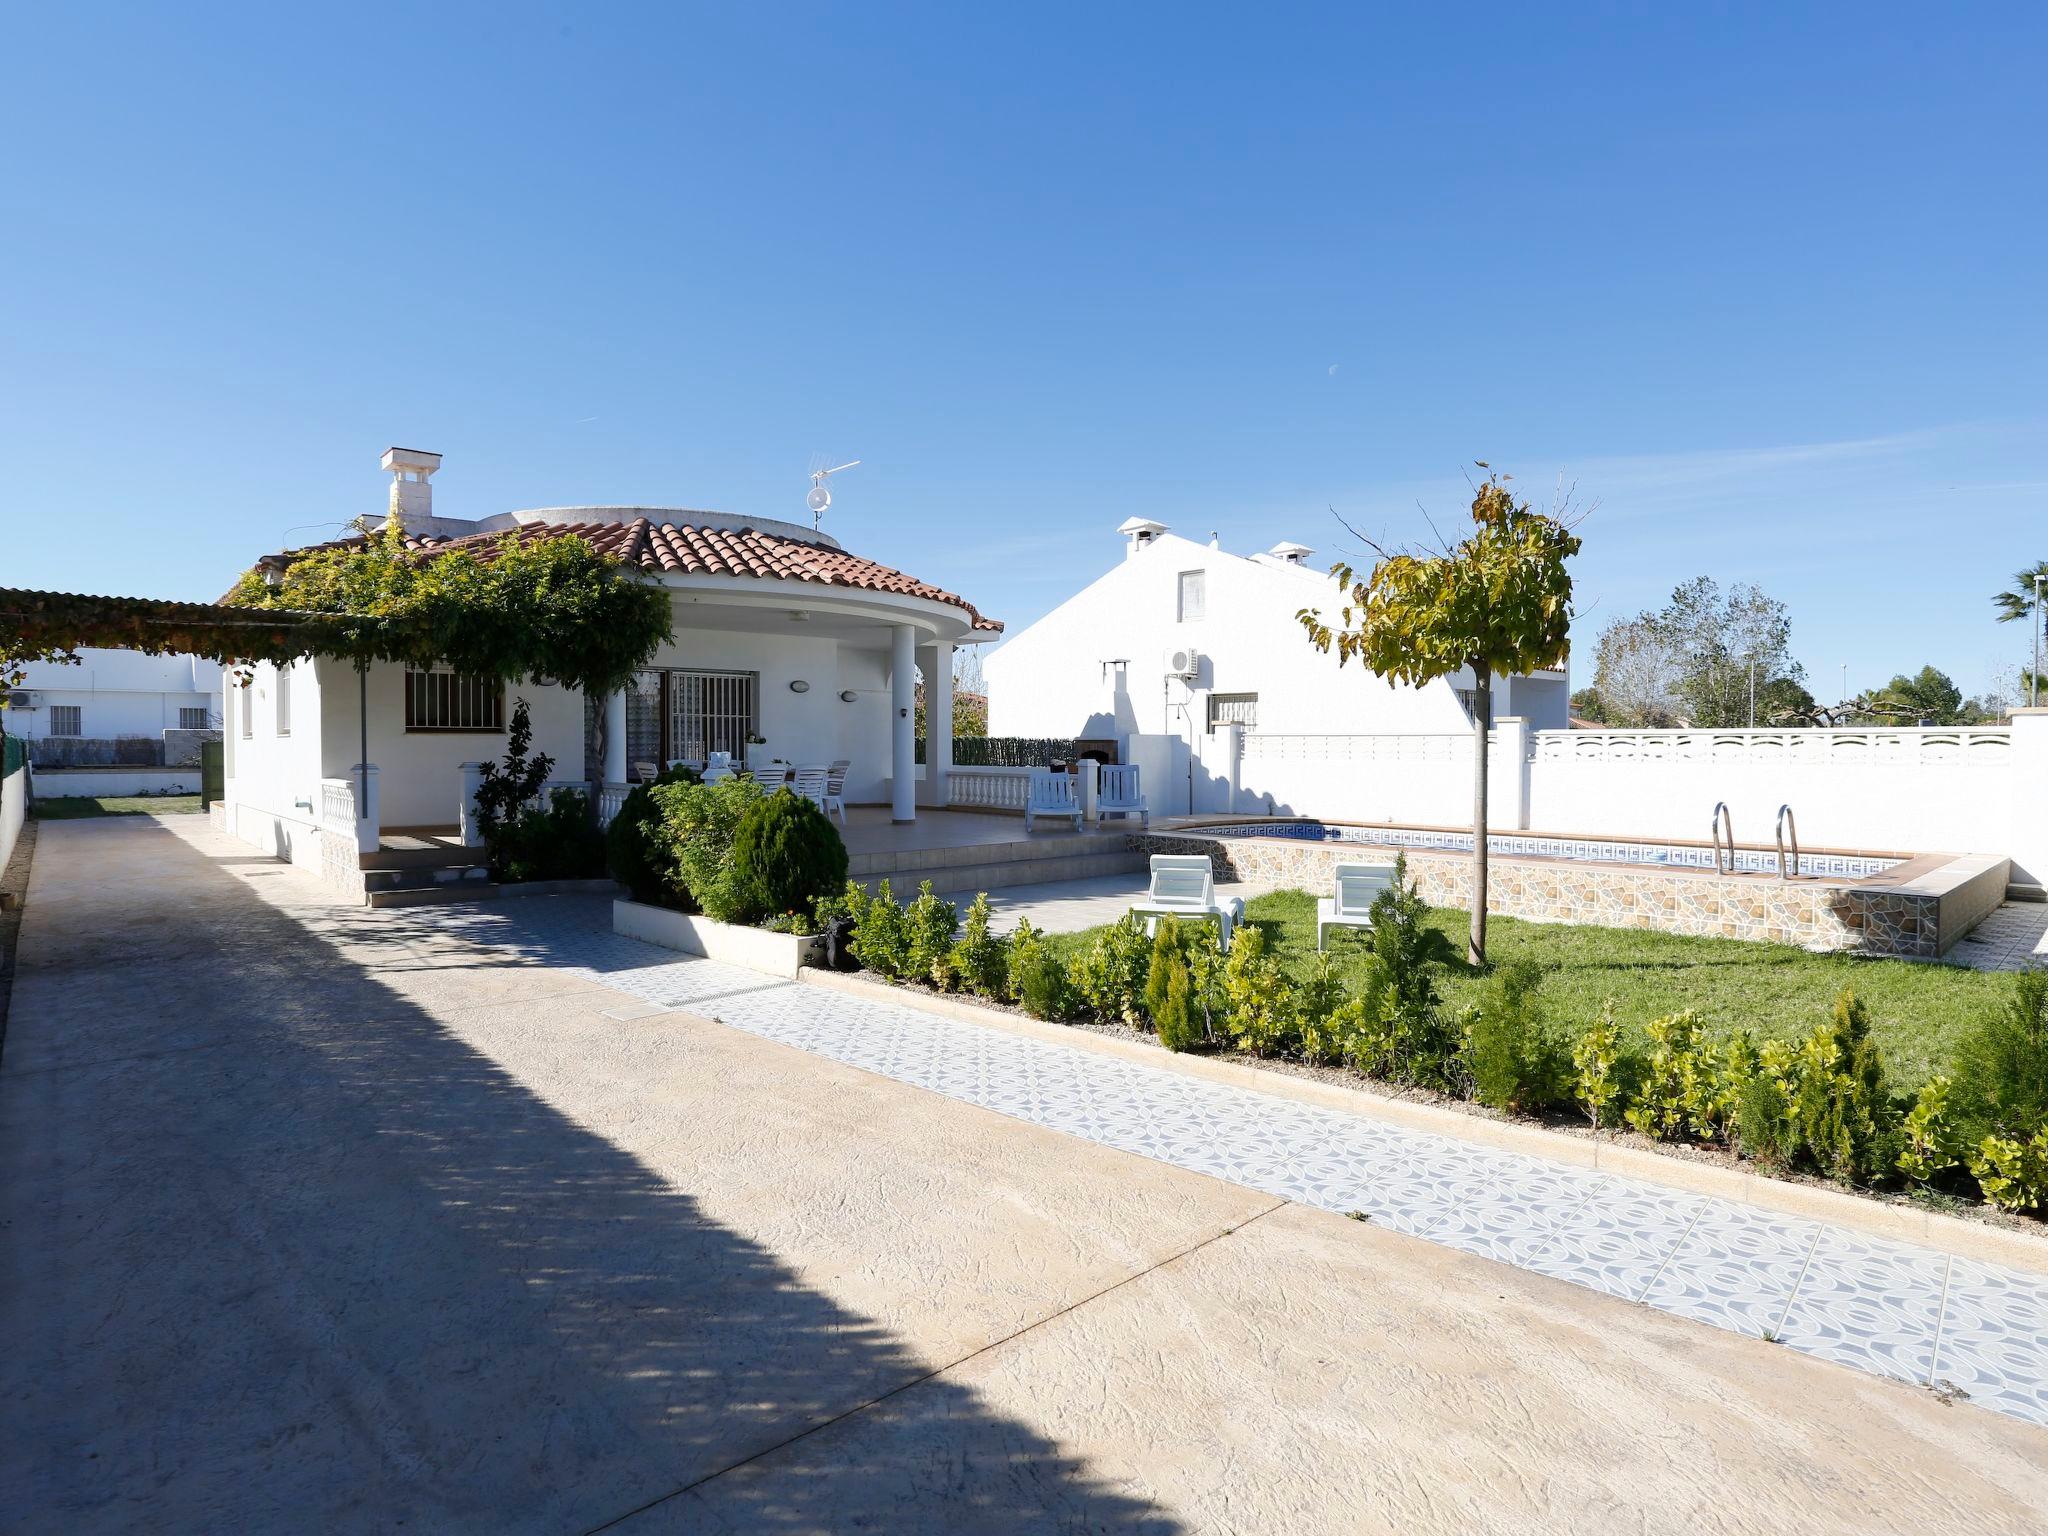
(552, 609)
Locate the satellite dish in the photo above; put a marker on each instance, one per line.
(818, 498)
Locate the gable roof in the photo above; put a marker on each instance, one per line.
(693, 550)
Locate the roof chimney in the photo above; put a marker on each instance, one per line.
(412, 494)
(1291, 554)
(1140, 531)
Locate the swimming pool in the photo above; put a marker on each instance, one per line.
(1577, 850)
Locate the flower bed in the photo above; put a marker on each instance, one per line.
(758, 949)
(1816, 1105)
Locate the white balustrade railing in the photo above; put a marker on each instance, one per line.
(1980, 746)
(610, 801)
(992, 789)
(1433, 747)
(338, 805)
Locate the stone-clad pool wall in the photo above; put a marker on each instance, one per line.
(1863, 917)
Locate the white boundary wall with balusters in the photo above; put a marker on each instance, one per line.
(1911, 790)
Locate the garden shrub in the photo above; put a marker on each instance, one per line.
(2001, 1066)
(880, 939)
(2014, 1173)
(558, 841)
(634, 851)
(1514, 1062)
(1258, 997)
(1683, 1091)
(1110, 974)
(1931, 1145)
(980, 962)
(1039, 982)
(1597, 1061)
(929, 924)
(785, 856)
(1842, 1113)
(1168, 992)
(1762, 1119)
(1318, 1003)
(698, 824)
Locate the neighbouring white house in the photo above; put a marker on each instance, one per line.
(1181, 641)
(785, 646)
(115, 696)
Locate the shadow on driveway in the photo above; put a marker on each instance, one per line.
(285, 1254)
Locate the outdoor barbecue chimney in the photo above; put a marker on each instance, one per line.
(412, 491)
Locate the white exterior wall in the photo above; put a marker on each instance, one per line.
(13, 811)
(1050, 679)
(118, 693)
(267, 774)
(1885, 790)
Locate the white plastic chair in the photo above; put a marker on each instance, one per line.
(1118, 793)
(717, 766)
(810, 783)
(1357, 887)
(1184, 884)
(835, 790)
(1052, 794)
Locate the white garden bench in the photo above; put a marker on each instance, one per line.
(1358, 886)
(1184, 884)
(1052, 794)
(1118, 793)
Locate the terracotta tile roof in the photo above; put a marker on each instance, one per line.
(695, 551)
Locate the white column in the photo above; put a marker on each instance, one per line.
(472, 781)
(369, 808)
(2027, 841)
(615, 737)
(938, 723)
(903, 723)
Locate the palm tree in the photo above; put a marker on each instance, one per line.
(2019, 602)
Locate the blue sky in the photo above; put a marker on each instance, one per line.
(1765, 283)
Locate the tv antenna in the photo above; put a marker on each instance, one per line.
(818, 498)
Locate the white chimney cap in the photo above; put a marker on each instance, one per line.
(1131, 527)
(1292, 553)
(396, 459)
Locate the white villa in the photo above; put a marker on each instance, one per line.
(1181, 640)
(785, 646)
(114, 695)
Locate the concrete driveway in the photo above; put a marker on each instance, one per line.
(319, 1219)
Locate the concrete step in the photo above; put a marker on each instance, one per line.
(421, 879)
(419, 858)
(968, 878)
(433, 895)
(1040, 846)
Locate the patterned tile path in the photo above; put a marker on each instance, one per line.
(1883, 1306)
(2015, 935)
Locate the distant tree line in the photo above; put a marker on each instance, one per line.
(1719, 661)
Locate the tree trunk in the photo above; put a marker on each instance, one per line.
(1482, 714)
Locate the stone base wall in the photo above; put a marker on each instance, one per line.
(339, 866)
(1815, 915)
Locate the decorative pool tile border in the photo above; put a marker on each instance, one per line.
(1870, 1303)
(1874, 921)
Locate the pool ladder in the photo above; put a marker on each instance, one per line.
(1723, 832)
(1788, 830)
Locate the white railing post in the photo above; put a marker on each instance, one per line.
(472, 781)
(1090, 786)
(369, 821)
(611, 799)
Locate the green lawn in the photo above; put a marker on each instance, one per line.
(1917, 1010)
(76, 807)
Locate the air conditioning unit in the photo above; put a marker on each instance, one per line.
(24, 698)
(1183, 661)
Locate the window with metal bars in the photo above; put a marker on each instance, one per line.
(190, 719)
(445, 701)
(711, 712)
(65, 720)
(284, 701)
